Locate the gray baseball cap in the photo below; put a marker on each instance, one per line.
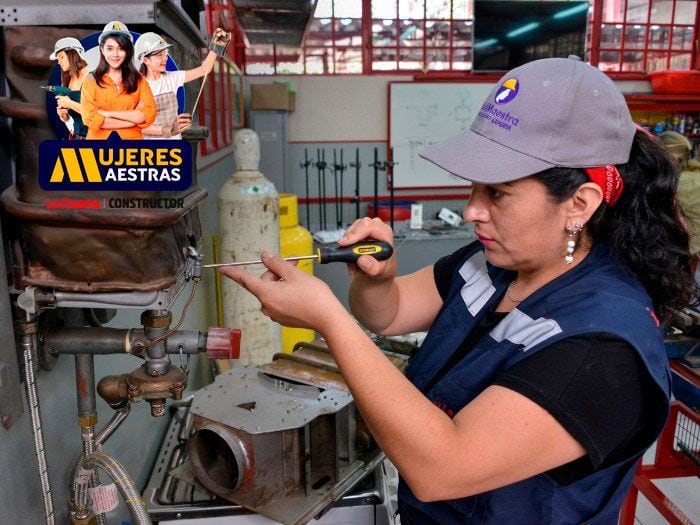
(546, 113)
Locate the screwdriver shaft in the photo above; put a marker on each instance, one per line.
(243, 263)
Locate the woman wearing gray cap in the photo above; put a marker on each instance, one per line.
(151, 52)
(543, 377)
(115, 97)
(69, 54)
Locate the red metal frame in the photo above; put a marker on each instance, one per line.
(668, 462)
(597, 19)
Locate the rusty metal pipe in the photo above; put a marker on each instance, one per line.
(101, 341)
(85, 387)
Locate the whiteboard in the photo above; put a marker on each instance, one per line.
(422, 114)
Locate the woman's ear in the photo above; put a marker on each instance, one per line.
(585, 201)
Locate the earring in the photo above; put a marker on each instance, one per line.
(571, 243)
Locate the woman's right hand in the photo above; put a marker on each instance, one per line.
(63, 101)
(181, 123)
(375, 229)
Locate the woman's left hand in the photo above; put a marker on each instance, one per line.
(290, 296)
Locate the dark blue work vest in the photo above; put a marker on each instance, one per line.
(597, 295)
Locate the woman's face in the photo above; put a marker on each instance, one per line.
(519, 224)
(114, 53)
(156, 61)
(63, 62)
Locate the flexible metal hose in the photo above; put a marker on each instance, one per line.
(79, 491)
(29, 346)
(78, 494)
(124, 483)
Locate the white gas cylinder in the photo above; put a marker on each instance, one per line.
(248, 224)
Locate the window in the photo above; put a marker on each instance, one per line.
(413, 36)
(647, 35)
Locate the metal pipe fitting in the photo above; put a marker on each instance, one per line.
(120, 414)
(85, 382)
(114, 390)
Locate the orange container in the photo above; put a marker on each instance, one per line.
(402, 210)
(675, 82)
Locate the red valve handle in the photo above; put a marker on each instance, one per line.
(223, 343)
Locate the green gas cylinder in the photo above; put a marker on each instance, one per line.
(294, 240)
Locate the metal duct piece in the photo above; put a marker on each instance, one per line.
(283, 449)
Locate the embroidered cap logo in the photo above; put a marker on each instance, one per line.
(507, 92)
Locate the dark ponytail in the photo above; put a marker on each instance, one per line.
(644, 229)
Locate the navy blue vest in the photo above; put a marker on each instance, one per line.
(597, 295)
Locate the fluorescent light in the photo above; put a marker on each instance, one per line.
(570, 11)
(523, 29)
(485, 43)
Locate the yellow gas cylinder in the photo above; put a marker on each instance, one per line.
(294, 240)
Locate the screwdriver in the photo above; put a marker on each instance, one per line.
(380, 250)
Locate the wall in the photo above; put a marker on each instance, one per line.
(349, 113)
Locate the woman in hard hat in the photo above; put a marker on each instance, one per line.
(69, 53)
(115, 97)
(151, 52)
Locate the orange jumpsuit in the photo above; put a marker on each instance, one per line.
(113, 98)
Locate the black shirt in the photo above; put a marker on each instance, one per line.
(595, 385)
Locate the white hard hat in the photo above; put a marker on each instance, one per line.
(63, 44)
(115, 27)
(147, 44)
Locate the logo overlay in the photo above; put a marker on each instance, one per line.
(115, 165)
(505, 94)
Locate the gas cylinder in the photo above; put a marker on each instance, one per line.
(294, 240)
(248, 224)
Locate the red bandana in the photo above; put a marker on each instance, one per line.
(609, 180)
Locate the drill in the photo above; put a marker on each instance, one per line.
(57, 90)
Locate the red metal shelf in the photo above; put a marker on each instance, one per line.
(653, 102)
